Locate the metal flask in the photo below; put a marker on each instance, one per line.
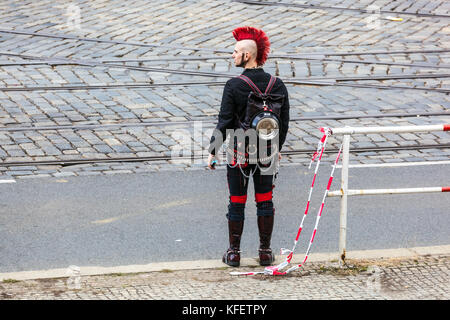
(266, 124)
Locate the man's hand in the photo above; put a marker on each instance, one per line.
(211, 158)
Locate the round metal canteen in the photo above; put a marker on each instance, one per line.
(266, 125)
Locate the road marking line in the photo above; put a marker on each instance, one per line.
(173, 204)
(106, 220)
(159, 207)
(8, 181)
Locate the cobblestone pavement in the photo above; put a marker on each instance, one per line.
(154, 42)
(424, 277)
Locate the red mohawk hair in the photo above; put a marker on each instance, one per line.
(257, 35)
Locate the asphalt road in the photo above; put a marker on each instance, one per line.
(175, 216)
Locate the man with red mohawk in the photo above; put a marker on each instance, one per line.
(250, 52)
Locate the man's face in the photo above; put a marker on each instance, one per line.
(238, 55)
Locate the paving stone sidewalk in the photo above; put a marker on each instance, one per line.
(424, 277)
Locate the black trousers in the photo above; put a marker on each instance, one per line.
(238, 179)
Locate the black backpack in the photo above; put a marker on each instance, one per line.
(260, 106)
(267, 103)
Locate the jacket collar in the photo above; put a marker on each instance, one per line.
(253, 71)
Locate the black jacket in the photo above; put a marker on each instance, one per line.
(234, 104)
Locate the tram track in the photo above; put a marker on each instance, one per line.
(114, 63)
(316, 81)
(71, 162)
(305, 80)
(359, 10)
(338, 83)
(273, 55)
(211, 120)
(53, 61)
(335, 81)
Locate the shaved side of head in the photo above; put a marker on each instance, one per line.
(248, 46)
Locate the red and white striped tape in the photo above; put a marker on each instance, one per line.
(319, 214)
(320, 149)
(276, 270)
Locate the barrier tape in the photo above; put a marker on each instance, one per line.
(276, 270)
(319, 214)
(320, 149)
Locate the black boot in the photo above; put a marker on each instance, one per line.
(233, 255)
(265, 227)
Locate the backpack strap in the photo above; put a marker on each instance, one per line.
(250, 83)
(270, 85)
(255, 88)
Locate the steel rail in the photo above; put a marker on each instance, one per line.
(361, 85)
(114, 65)
(212, 83)
(209, 120)
(93, 63)
(217, 75)
(193, 157)
(359, 53)
(110, 86)
(60, 36)
(30, 63)
(100, 40)
(417, 65)
(339, 79)
(275, 55)
(321, 7)
(286, 81)
(226, 75)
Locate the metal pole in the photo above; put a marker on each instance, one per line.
(363, 192)
(344, 188)
(394, 129)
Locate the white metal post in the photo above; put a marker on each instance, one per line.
(344, 188)
(345, 192)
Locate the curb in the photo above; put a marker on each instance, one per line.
(212, 264)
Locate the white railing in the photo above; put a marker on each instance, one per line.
(344, 192)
